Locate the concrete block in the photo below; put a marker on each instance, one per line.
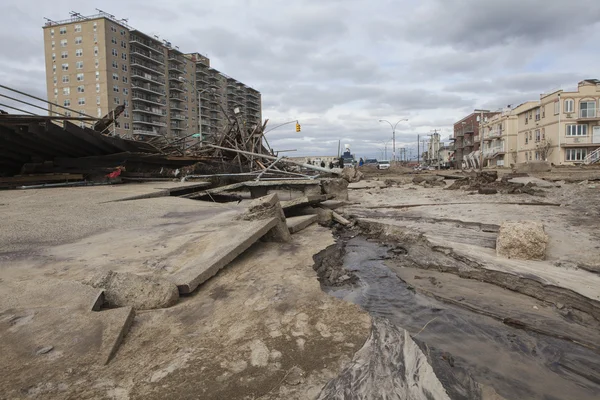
(269, 207)
(537, 166)
(336, 187)
(296, 224)
(338, 218)
(117, 323)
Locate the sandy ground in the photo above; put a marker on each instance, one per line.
(261, 328)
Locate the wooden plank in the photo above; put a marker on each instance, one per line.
(40, 178)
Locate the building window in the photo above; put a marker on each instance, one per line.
(63, 30)
(66, 91)
(79, 65)
(65, 78)
(114, 64)
(79, 77)
(543, 111)
(54, 79)
(124, 67)
(537, 114)
(53, 44)
(67, 113)
(95, 51)
(115, 77)
(51, 32)
(99, 112)
(79, 52)
(556, 107)
(97, 63)
(95, 39)
(122, 32)
(64, 54)
(125, 90)
(123, 44)
(125, 79)
(97, 75)
(575, 154)
(113, 40)
(113, 29)
(81, 101)
(78, 40)
(126, 103)
(95, 26)
(526, 138)
(115, 52)
(97, 88)
(67, 103)
(587, 109)
(53, 56)
(63, 43)
(53, 68)
(116, 89)
(65, 67)
(55, 91)
(77, 28)
(80, 88)
(124, 56)
(126, 114)
(537, 136)
(126, 125)
(576, 130)
(117, 100)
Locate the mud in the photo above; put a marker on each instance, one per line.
(505, 355)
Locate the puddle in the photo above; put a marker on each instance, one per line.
(518, 364)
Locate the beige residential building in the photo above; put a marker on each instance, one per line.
(563, 127)
(96, 63)
(500, 130)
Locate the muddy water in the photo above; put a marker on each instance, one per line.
(516, 363)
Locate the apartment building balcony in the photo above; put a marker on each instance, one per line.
(145, 76)
(148, 88)
(175, 67)
(492, 135)
(139, 108)
(176, 58)
(138, 62)
(179, 117)
(459, 133)
(590, 114)
(148, 56)
(138, 119)
(137, 96)
(467, 143)
(134, 39)
(468, 128)
(176, 106)
(176, 97)
(176, 87)
(174, 77)
(145, 131)
(177, 127)
(492, 152)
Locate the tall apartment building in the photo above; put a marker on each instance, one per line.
(563, 127)
(96, 63)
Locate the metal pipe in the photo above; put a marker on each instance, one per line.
(268, 168)
(284, 159)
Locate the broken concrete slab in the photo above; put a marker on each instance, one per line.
(118, 323)
(333, 204)
(201, 261)
(139, 292)
(366, 185)
(303, 201)
(338, 218)
(336, 187)
(352, 174)
(269, 207)
(524, 240)
(296, 224)
(532, 180)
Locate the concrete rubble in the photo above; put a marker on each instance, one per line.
(237, 287)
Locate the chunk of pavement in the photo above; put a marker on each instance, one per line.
(525, 240)
(117, 323)
(352, 174)
(332, 204)
(296, 224)
(294, 376)
(487, 190)
(140, 292)
(268, 207)
(338, 218)
(337, 187)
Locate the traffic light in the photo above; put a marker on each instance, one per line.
(297, 127)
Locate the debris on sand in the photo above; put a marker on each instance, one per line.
(429, 181)
(524, 240)
(352, 174)
(487, 182)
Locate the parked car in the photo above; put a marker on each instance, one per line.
(371, 161)
(384, 164)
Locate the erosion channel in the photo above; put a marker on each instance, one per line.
(482, 341)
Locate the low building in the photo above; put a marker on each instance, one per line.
(467, 140)
(563, 127)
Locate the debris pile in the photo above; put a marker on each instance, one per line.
(429, 181)
(487, 182)
(524, 240)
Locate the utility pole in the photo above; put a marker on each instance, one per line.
(418, 150)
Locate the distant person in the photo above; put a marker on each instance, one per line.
(322, 164)
(341, 162)
(330, 165)
(361, 162)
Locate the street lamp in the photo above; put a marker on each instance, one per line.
(393, 134)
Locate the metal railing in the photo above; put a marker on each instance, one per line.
(592, 157)
(142, 97)
(176, 58)
(148, 110)
(138, 74)
(149, 88)
(136, 39)
(144, 64)
(148, 55)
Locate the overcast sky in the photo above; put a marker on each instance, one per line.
(338, 66)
